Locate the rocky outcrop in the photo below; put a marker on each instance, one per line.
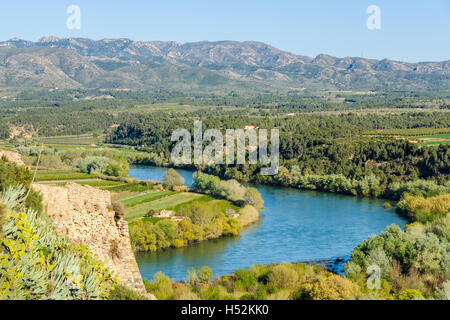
(84, 214)
(12, 157)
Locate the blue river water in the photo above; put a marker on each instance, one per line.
(295, 226)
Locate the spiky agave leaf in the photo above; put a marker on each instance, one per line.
(37, 263)
(14, 196)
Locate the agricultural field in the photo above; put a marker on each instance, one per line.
(73, 141)
(432, 140)
(137, 197)
(412, 133)
(167, 202)
(62, 175)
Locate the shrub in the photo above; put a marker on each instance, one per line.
(172, 179)
(232, 190)
(178, 243)
(205, 273)
(92, 164)
(245, 277)
(419, 187)
(261, 273)
(352, 270)
(206, 182)
(409, 294)
(333, 287)
(423, 209)
(182, 292)
(387, 205)
(253, 198)
(119, 210)
(283, 276)
(169, 228)
(114, 249)
(378, 258)
(200, 213)
(120, 292)
(303, 292)
(3, 217)
(213, 292)
(100, 162)
(14, 175)
(192, 275)
(161, 287)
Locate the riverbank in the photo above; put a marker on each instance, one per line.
(366, 187)
(174, 219)
(296, 226)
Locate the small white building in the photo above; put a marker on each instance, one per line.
(164, 214)
(250, 127)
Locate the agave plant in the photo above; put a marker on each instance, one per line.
(37, 263)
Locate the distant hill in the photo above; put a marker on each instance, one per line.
(208, 66)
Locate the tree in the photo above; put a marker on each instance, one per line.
(172, 179)
(200, 213)
(232, 190)
(253, 197)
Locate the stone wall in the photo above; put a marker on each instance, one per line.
(84, 214)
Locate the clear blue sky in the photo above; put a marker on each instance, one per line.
(410, 30)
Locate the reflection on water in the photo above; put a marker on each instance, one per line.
(296, 226)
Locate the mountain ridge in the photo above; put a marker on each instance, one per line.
(205, 65)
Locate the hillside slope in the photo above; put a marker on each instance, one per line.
(223, 65)
(84, 215)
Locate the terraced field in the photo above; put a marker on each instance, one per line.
(61, 175)
(70, 141)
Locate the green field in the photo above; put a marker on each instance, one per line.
(50, 175)
(101, 184)
(434, 143)
(411, 133)
(148, 197)
(436, 136)
(130, 187)
(432, 140)
(70, 141)
(160, 204)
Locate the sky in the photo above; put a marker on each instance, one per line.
(410, 31)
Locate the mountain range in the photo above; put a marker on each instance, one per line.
(202, 66)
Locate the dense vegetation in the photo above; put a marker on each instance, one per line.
(36, 263)
(12, 175)
(202, 219)
(98, 161)
(272, 282)
(319, 152)
(414, 261)
(356, 153)
(396, 265)
(79, 111)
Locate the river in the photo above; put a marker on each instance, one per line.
(295, 226)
